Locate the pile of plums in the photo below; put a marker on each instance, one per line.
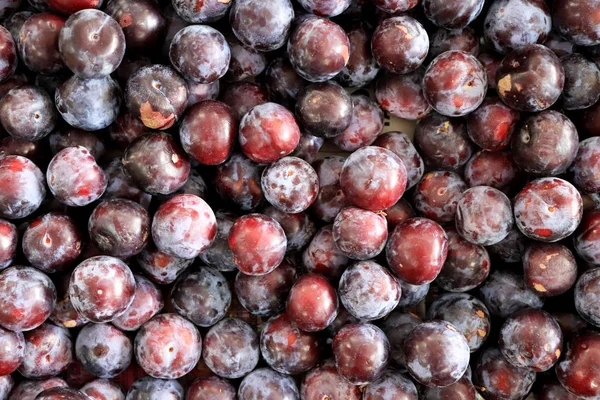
(299, 199)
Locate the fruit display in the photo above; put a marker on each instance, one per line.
(299, 199)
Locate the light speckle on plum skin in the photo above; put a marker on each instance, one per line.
(455, 83)
(101, 288)
(201, 295)
(23, 187)
(570, 21)
(290, 184)
(318, 49)
(582, 82)
(360, 234)
(400, 44)
(550, 269)
(200, 53)
(27, 294)
(48, 352)
(168, 346)
(325, 8)
(258, 244)
(324, 381)
(194, 231)
(264, 383)
(548, 209)
(246, 63)
(357, 294)
(402, 95)
(231, 348)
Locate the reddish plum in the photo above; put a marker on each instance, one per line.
(586, 165)
(437, 195)
(27, 298)
(52, 242)
(505, 293)
(264, 383)
(238, 181)
(242, 97)
(400, 144)
(325, 382)
(467, 265)
(575, 370)
(402, 95)
(48, 352)
(417, 250)
(443, 142)
(265, 295)
(530, 78)
(318, 49)
(258, 244)
(452, 14)
(368, 291)
(392, 385)
(23, 187)
(455, 83)
(230, 348)
(586, 239)
(13, 351)
(246, 63)
(88, 104)
(360, 234)
(361, 68)
(312, 303)
(103, 350)
(92, 44)
(168, 347)
(38, 43)
(27, 113)
(287, 349)
(8, 52)
(398, 213)
(160, 267)
(142, 22)
(548, 209)
(9, 240)
(102, 389)
(28, 390)
(323, 255)
(510, 24)
(491, 126)
(211, 388)
(261, 26)
(361, 353)
(268, 132)
(147, 302)
(60, 393)
(290, 184)
(373, 178)
(208, 132)
(324, 109)
(550, 269)
(156, 95)
(201, 12)
(400, 44)
(568, 22)
(156, 163)
(367, 123)
(494, 169)
(200, 53)
(101, 288)
(457, 39)
(531, 339)
(75, 137)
